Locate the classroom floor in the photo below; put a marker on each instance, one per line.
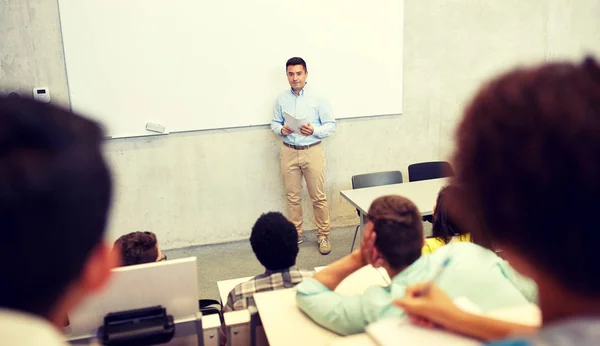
(235, 259)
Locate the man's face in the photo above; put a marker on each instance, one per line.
(296, 77)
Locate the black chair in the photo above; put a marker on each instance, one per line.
(210, 306)
(370, 180)
(429, 170)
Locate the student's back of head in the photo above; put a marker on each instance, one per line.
(453, 219)
(55, 190)
(444, 228)
(137, 248)
(274, 240)
(398, 228)
(528, 155)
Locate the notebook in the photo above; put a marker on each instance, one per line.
(400, 331)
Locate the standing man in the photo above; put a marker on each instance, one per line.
(302, 153)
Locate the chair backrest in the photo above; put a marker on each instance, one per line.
(376, 179)
(173, 284)
(429, 170)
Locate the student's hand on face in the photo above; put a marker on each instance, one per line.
(286, 130)
(367, 248)
(307, 129)
(436, 307)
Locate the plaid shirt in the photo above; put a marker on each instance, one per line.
(241, 296)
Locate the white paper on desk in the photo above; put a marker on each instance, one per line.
(400, 331)
(294, 123)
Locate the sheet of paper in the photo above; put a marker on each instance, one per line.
(400, 331)
(293, 122)
(390, 331)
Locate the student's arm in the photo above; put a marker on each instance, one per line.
(333, 274)
(230, 301)
(341, 314)
(327, 126)
(437, 308)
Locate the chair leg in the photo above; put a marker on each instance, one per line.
(354, 240)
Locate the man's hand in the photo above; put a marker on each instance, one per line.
(307, 129)
(367, 244)
(286, 130)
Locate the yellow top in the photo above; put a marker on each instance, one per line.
(432, 244)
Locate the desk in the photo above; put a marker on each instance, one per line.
(225, 286)
(422, 193)
(281, 318)
(285, 324)
(362, 339)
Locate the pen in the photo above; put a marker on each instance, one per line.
(436, 277)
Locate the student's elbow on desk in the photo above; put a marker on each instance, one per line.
(339, 314)
(332, 318)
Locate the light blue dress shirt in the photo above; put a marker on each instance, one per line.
(309, 104)
(473, 272)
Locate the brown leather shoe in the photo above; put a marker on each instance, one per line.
(324, 245)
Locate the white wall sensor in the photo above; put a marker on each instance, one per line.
(158, 128)
(41, 95)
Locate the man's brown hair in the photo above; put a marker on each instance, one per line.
(399, 229)
(137, 248)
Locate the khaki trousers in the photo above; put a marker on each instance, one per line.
(309, 163)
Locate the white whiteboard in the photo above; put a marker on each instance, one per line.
(206, 64)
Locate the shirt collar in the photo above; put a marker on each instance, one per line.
(292, 268)
(301, 91)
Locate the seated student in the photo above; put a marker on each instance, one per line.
(274, 241)
(444, 229)
(138, 248)
(142, 247)
(529, 155)
(55, 192)
(393, 239)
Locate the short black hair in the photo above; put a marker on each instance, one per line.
(137, 248)
(55, 191)
(528, 155)
(399, 229)
(274, 240)
(296, 61)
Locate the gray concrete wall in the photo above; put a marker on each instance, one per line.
(209, 186)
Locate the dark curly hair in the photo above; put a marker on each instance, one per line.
(399, 229)
(274, 240)
(137, 248)
(528, 156)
